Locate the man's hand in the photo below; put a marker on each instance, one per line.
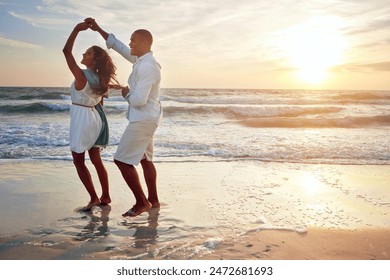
(92, 24)
(95, 27)
(125, 91)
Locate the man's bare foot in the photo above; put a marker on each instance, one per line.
(155, 204)
(105, 200)
(136, 210)
(90, 205)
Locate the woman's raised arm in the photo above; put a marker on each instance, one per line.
(77, 72)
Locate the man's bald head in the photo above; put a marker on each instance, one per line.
(146, 35)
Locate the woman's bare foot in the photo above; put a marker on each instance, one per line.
(136, 210)
(90, 205)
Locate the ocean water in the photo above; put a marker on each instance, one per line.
(305, 126)
(261, 139)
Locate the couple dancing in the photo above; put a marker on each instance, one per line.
(88, 125)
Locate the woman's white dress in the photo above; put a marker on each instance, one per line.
(85, 122)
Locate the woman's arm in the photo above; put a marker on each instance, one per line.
(80, 79)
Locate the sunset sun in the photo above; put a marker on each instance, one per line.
(313, 47)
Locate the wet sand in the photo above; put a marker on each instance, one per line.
(210, 210)
(316, 244)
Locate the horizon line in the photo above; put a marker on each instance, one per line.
(215, 88)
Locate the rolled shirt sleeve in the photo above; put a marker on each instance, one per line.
(119, 47)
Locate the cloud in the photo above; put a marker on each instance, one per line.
(41, 21)
(18, 44)
(383, 66)
(380, 66)
(370, 26)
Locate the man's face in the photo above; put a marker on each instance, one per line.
(137, 44)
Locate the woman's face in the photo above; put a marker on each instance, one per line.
(88, 58)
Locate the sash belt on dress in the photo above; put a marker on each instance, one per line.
(86, 106)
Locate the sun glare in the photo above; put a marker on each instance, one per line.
(310, 183)
(313, 47)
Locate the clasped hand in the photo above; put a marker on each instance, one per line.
(87, 23)
(91, 23)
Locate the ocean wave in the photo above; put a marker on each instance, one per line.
(362, 96)
(269, 97)
(247, 100)
(34, 108)
(175, 150)
(30, 93)
(42, 107)
(346, 122)
(252, 111)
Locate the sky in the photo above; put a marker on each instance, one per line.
(256, 44)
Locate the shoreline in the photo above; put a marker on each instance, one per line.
(210, 210)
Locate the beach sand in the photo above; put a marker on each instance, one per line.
(231, 210)
(316, 244)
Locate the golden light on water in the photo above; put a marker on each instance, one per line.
(310, 183)
(313, 47)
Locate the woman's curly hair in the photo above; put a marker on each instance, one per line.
(105, 69)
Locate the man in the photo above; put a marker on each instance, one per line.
(144, 115)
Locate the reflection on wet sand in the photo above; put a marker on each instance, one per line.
(145, 233)
(97, 225)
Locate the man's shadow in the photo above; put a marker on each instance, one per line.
(97, 225)
(145, 233)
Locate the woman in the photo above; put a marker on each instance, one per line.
(88, 127)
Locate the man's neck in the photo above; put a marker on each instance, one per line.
(143, 53)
